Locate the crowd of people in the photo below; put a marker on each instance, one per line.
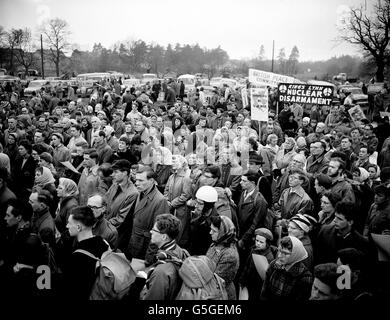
(214, 204)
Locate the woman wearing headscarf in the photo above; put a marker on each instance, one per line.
(223, 251)
(287, 278)
(251, 280)
(44, 180)
(67, 192)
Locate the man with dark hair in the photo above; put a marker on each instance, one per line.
(325, 282)
(102, 148)
(346, 147)
(340, 185)
(40, 138)
(23, 252)
(89, 179)
(339, 235)
(263, 183)
(60, 153)
(363, 158)
(252, 211)
(42, 221)
(356, 137)
(317, 162)
(370, 139)
(149, 203)
(353, 261)
(23, 171)
(164, 282)
(122, 193)
(118, 124)
(75, 131)
(81, 271)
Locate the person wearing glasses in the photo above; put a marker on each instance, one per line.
(163, 281)
(102, 227)
(287, 277)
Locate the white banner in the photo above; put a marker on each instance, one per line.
(263, 78)
(259, 104)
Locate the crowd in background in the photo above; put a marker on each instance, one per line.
(192, 178)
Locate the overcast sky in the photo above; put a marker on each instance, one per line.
(238, 26)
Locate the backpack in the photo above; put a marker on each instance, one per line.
(200, 282)
(114, 278)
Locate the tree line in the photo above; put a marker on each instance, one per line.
(371, 33)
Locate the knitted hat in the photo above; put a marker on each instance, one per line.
(59, 136)
(264, 232)
(302, 222)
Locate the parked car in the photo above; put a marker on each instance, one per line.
(374, 88)
(148, 77)
(358, 97)
(8, 78)
(128, 83)
(34, 86)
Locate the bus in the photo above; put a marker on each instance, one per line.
(87, 81)
(189, 81)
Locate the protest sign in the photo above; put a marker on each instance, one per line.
(356, 114)
(305, 94)
(259, 104)
(263, 78)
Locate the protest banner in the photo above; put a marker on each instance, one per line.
(259, 104)
(305, 94)
(264, 78)
(356, 114)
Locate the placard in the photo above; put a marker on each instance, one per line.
(264, 78)
(305, 94)
(259, 104)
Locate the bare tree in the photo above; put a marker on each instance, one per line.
(12, 40)
(25, 50)
(56, 33)
(370, 32)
